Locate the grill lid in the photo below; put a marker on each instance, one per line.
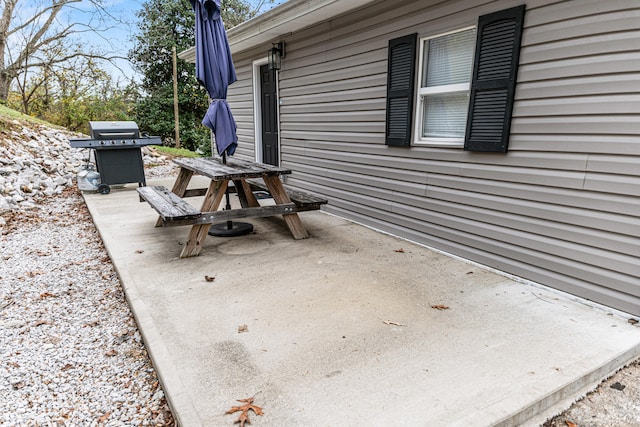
(107, 135)
(114, 130)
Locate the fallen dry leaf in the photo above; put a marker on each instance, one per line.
(104, 417)
(400, 251)
(11, 302)
(244, 414)
(209, 278)
(633, 321)
(570, 424)
(111, 353)
(121, 333)
(47, 295)
(42, 322)
(139, 251)
(35, 273)
(440, 307)
(389, 322)
(243, 328)
(617, 386)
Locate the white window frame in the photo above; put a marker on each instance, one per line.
(421, 92)
(257, 109)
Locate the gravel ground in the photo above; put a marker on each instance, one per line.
(615, 403)
(71, 353)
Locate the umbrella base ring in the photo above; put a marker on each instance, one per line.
(230, 229)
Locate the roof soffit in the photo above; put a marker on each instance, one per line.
(291, 16)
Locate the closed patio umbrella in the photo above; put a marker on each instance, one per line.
(215, 71)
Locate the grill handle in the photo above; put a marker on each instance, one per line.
(116, 135)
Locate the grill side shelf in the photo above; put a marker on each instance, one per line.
(114, 143)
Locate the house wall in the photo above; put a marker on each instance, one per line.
(561, 208)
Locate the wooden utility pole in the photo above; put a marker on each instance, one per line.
(175, 96)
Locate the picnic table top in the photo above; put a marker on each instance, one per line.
(216, 170)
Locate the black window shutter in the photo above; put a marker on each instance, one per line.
(493, 84)
(400, 89)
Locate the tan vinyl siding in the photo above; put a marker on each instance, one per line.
(561, 208)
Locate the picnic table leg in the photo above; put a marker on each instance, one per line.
(246, 196)
(280, 196)
(198, 233)
(179, 187)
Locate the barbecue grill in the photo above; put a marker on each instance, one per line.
(117, 152)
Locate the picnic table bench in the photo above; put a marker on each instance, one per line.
(246, 177)
(303, 201)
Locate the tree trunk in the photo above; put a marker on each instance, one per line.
(5, 21)
(5, 81)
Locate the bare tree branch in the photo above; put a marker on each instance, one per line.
(35, 43)
(5, 22)
(36, 17)
(74, 55)
(9, 6)
(41, 32)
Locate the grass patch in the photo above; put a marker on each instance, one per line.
(7, 115)
(175, 152)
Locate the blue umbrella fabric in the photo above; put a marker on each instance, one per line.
(215, 71)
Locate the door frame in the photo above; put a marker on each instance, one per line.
(257, 110)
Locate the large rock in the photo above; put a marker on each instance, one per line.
(6, 205)
(37, 162)
(34, 163)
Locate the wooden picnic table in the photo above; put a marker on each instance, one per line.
(246, 176)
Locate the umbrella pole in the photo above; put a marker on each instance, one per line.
(230, 228)
(228, 206)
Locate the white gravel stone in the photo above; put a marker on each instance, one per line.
(70, 349)
(63, 311)
(38, 163)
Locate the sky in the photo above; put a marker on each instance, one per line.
(118, 38)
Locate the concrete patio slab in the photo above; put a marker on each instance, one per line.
(350, 327)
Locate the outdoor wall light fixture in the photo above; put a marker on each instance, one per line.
(276, 53)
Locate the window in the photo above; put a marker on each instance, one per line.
(466, 85)
(443, 96)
